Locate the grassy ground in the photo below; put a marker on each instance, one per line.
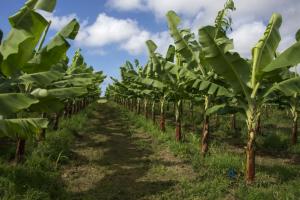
(220, 175)
(39, 177)
(109, 153)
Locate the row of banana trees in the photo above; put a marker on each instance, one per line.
(36, 84)
(205, 68)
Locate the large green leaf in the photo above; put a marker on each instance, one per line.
(54, 51)
(264, 51)
(225, 63)
(41, 79)
(60, 93)
(46, 5)
(181, 45)
(15, 102)
(290, 57)
(18, 47)
(211, 88)
(288, 87)
(74, 82)
(22, 128)
(47, 105)
(214, 109)
(70, 31)
(155, 62)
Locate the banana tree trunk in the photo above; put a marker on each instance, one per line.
(192, 116)
(43, 132)
(295, 120)
(258, 126)
(233, 123)
(205, 129)
(252, 120)
(205, 136)
(250, 157)
(138, 106)
(146, 108)
(153, 112)
(56, 121)
(178, 120)
(295, 132)
(20, 151)
(162, 115)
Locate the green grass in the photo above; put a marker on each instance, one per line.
(39, 176)
(276, 178)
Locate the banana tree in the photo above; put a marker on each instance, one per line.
(248, 79)
(201, 80)
(16, 50)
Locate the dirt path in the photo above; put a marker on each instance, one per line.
(112, 161)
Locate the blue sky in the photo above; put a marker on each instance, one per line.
(113, 31)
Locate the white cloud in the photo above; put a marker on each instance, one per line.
(196, 13)
(107, 30)
(126, 5)
(135, 45)
(125, 33)
(58, 22)
(246, 36)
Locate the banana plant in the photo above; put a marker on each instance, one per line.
(252, 81)
(201, 80)
(16, 50)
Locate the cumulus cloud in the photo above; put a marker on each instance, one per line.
(107, 30)
(196, 13)
(125, 33)
(58, 22)
(126, 5)
(246, 36)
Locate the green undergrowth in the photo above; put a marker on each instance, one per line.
(220, 175)
(38, 177)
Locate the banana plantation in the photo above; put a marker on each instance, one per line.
(199, 122)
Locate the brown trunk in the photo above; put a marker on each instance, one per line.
(43, 132)
(162, 122)
(258, 126)
(294, 133)
(205, 135)
(43, 135)
(20, 151)
(178, 131)
(233, 122)
(153, 117)
(138, 107)
(153, 112)
(250, 156)
(56, 122)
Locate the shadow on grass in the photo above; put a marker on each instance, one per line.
(127, 160)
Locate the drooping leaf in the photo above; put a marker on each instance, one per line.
(214, 109)
(264, 51)
(60, 93)
(47, 105)
(54, 51)
(22, 128)
(18, 47)
(181, 45)
(225, 63)
(15, 102)
(287, 87)
(290, 57)
(41, 79)
(46, 5)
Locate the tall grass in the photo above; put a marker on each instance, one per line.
(39, 176)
